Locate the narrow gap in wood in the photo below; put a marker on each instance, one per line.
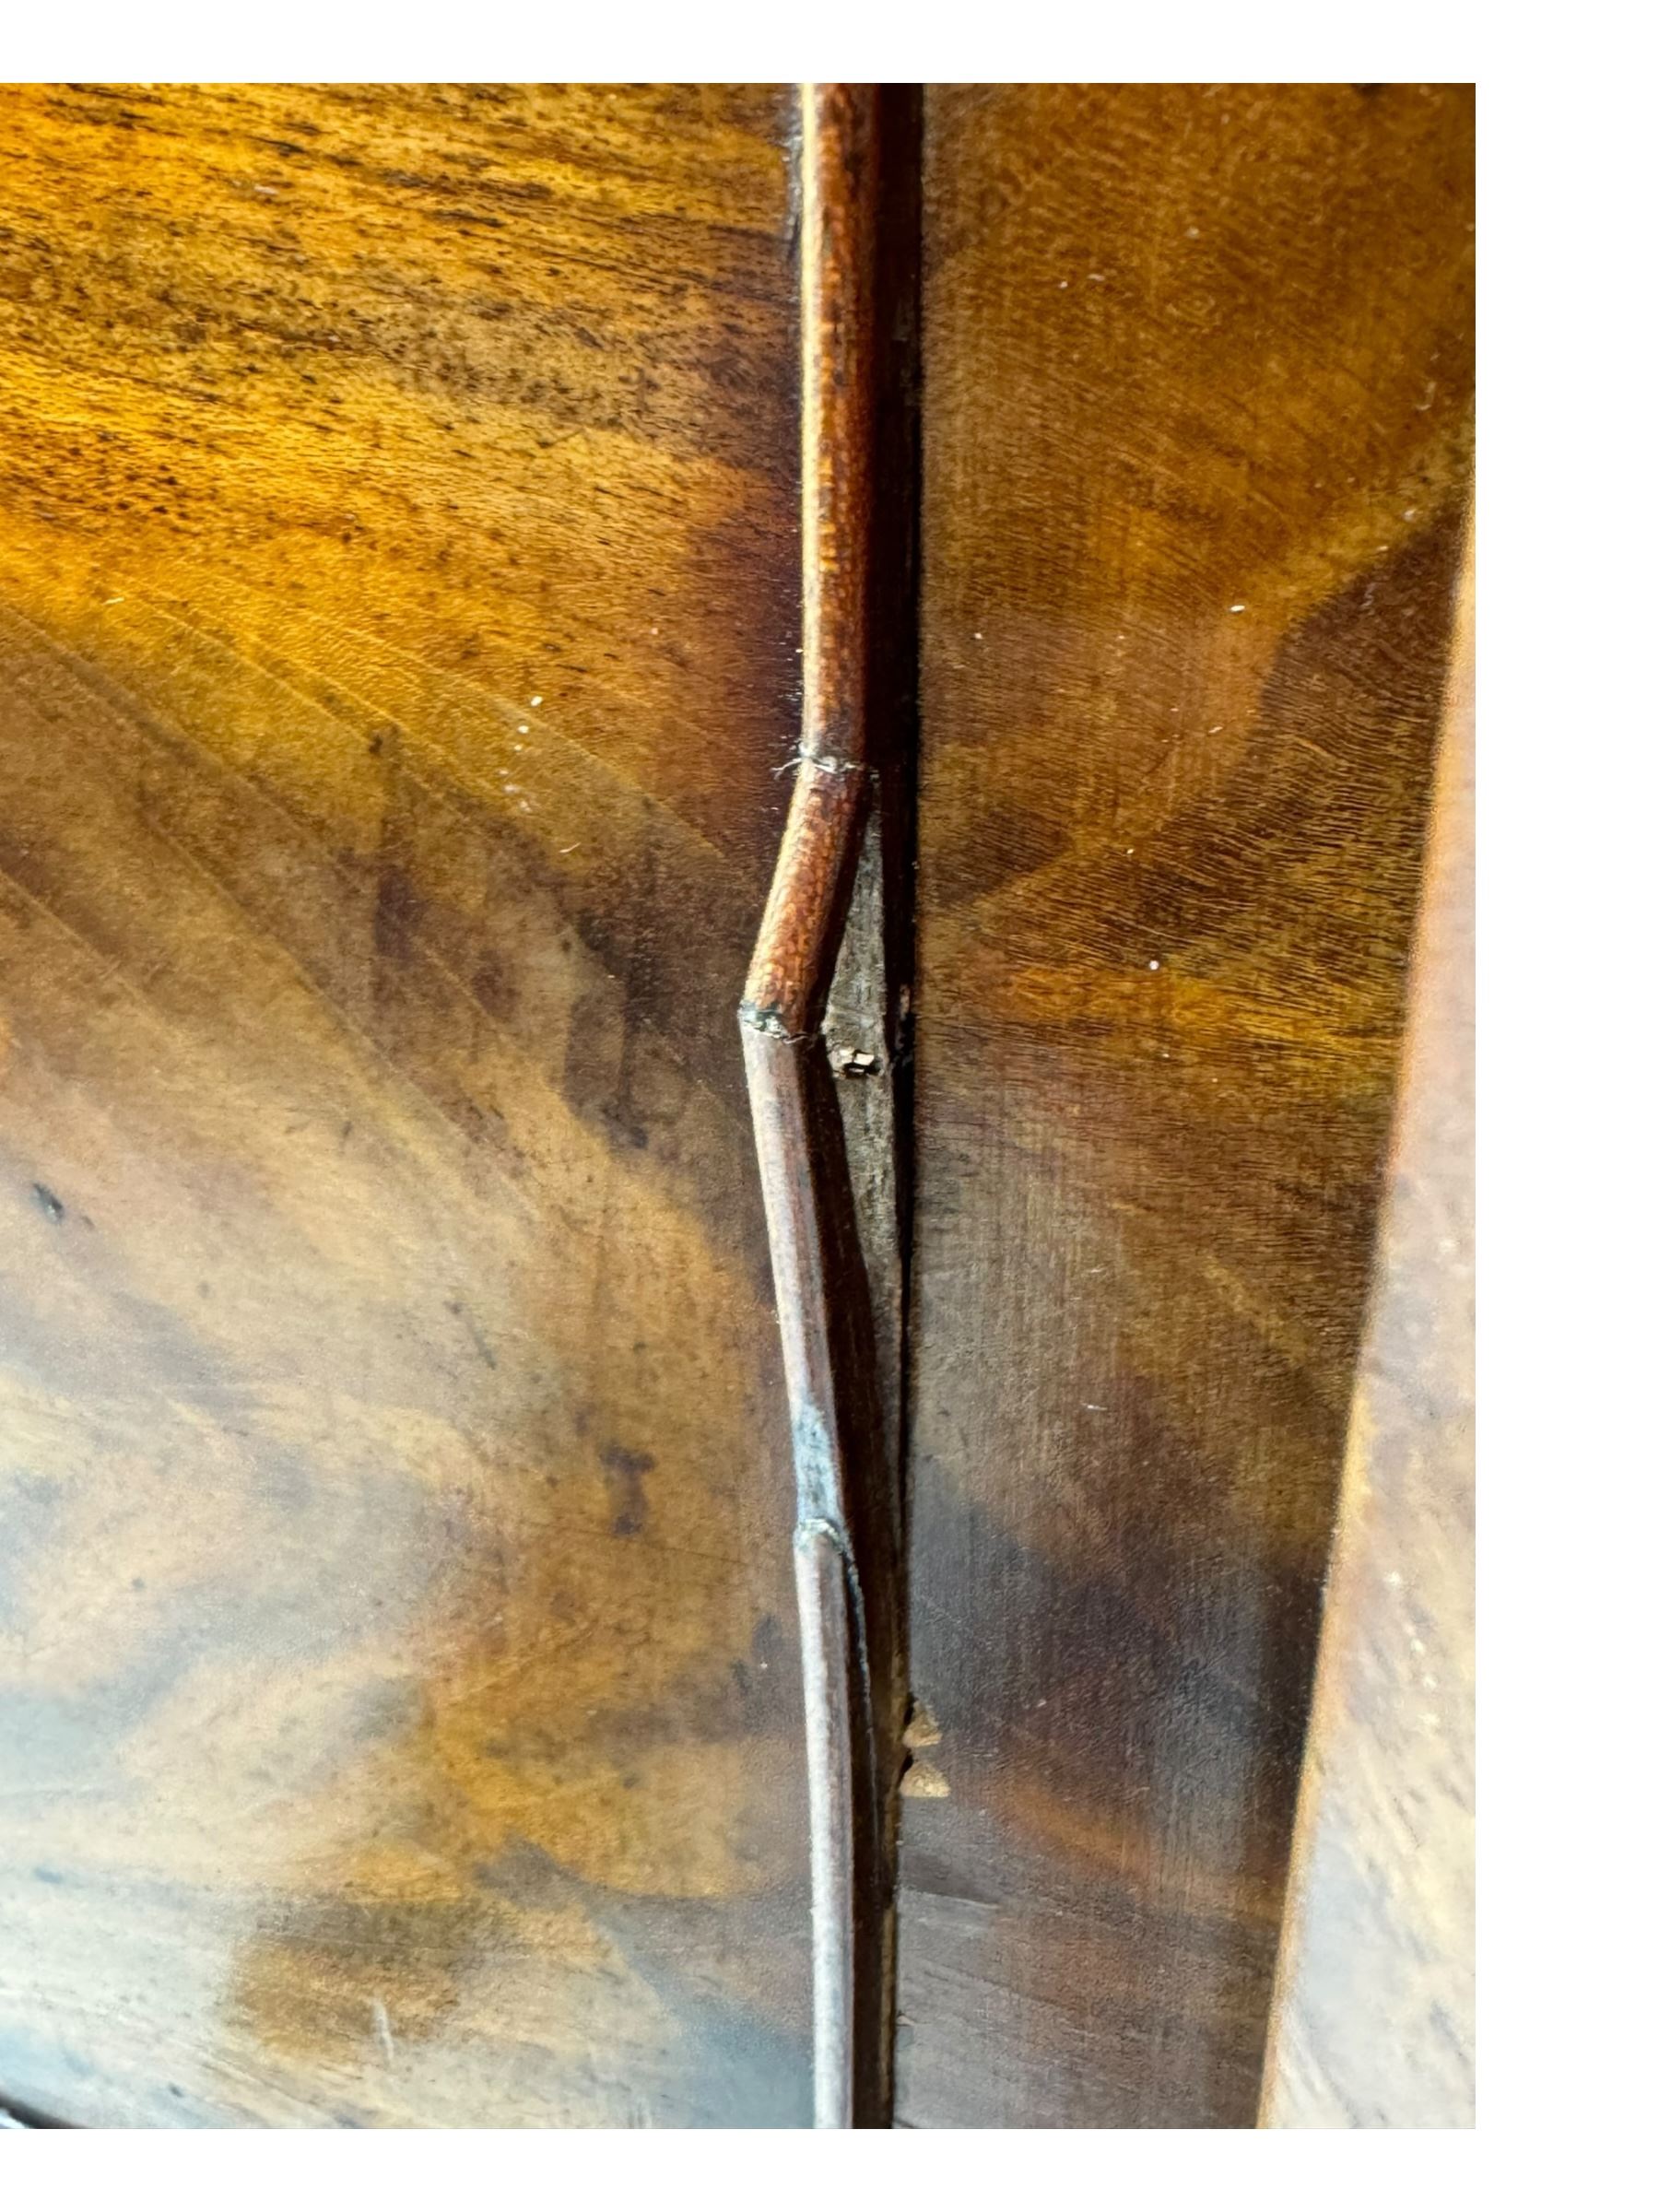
(826, 1021)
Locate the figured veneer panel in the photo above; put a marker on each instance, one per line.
(399, 1695)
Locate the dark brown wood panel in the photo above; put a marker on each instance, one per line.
(1196, 421)
(399, 1698)
(1373, 2019)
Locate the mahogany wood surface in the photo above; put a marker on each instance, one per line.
(1197, 379)
(399, 1697)
(400, 609)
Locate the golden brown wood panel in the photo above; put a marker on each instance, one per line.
(1196, 408)
(399, 1705)
(1375, 2011)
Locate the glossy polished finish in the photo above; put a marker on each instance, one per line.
(422, 508)
(1198, 364)
(399, 1704)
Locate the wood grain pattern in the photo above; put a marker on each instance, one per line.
(1374, 2009)
(399, 1706)
(1197, 367)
